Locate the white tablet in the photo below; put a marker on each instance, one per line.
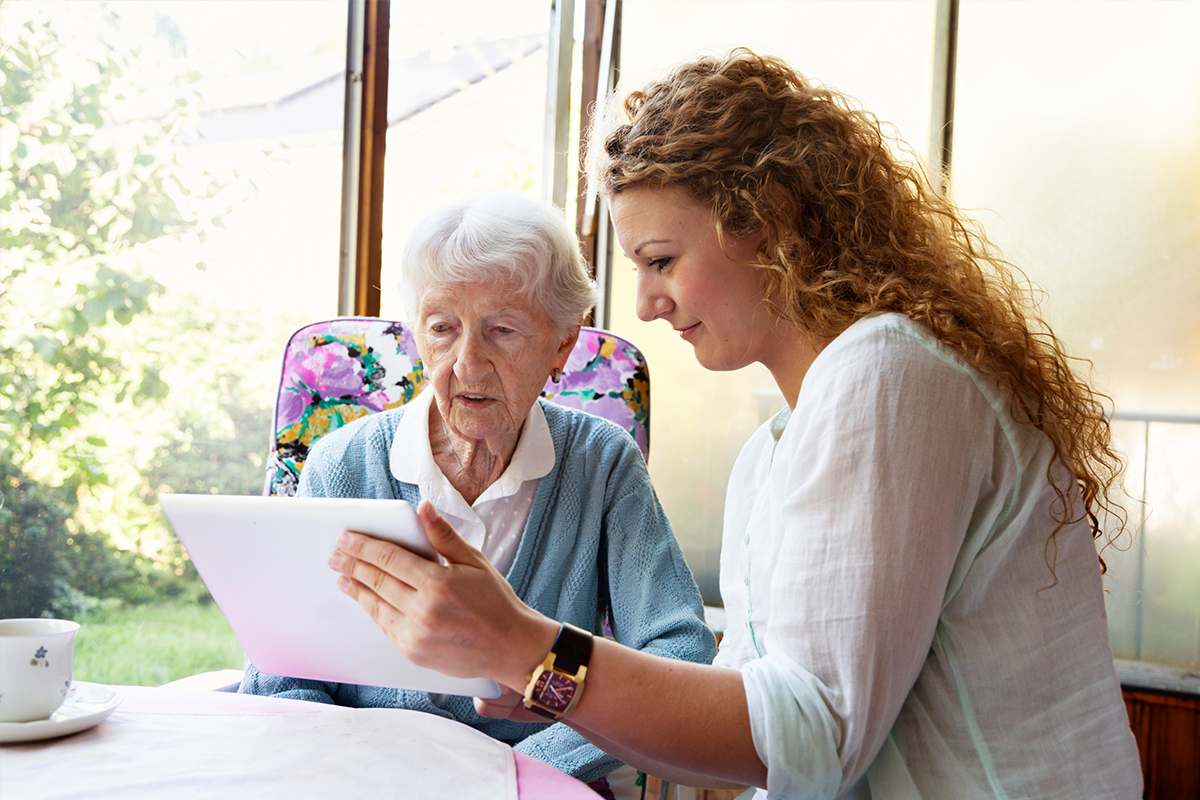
(264, 560)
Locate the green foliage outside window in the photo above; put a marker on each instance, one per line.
(89, 339)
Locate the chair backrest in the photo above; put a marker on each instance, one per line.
(341, 369)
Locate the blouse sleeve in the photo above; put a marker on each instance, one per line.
(889, 462)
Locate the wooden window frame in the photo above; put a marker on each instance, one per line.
(364, 144)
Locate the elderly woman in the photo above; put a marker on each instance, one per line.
(557, 500)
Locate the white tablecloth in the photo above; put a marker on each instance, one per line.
(163, 743)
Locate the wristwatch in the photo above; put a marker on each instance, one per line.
(556, 684)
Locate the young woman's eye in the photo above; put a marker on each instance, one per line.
(660, 263)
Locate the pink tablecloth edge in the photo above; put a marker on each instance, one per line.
(537, 780)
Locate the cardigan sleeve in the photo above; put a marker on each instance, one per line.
(655, 603)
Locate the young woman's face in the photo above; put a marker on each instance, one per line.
(713, 298)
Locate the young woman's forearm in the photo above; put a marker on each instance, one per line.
(667, 772)
(685, 722)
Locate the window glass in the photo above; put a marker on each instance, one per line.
(466, 112)
(170, 178)
(879, 53)
(1075, 137)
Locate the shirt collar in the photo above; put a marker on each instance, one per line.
(779, 422)
(411, 457)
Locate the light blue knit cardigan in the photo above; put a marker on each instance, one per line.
(596, 500)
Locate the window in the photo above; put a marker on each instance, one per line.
(1075, 133)
(466, 112)
(171, 175)
(171, 183)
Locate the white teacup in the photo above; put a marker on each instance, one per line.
(36, 660)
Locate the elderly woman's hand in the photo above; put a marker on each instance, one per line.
(460, 618)
(509, 705)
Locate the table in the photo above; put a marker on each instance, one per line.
(176, 743)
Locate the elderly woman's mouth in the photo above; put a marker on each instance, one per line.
(474, 398)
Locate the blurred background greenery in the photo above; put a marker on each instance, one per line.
(92, 345)
(149, 644)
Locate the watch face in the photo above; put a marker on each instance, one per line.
(554, 690)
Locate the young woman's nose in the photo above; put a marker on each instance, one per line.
(652, 303)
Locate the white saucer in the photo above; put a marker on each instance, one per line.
(87, 705)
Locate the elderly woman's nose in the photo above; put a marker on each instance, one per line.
(472, 359)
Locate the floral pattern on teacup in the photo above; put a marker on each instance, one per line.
(39, 658)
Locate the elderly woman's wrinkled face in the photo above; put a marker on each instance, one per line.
(487, 354)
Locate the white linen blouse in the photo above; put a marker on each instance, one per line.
(890, 605)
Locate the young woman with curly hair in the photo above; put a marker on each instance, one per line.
(909, 565)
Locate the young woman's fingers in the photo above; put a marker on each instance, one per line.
(403, 565)
(461, 617)
(445, 540)
(359, 574)
(382, 612)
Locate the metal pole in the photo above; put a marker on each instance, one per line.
(1141, 539)
(596, 212)
(941, 122)
(351, 156)
(558, 101)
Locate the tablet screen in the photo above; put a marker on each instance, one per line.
(264, 560)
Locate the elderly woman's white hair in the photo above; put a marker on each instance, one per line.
(500, 238)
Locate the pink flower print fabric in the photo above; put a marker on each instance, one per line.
(339, 370)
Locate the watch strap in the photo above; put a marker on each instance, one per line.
(572, 649)
(541, 712)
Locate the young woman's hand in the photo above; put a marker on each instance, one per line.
(460, 618)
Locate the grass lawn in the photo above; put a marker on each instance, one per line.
(149, 645)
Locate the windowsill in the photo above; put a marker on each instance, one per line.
(1155, 677)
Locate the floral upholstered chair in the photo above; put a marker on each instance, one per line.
(341, 369)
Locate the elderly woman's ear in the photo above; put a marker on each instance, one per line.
(565, 347)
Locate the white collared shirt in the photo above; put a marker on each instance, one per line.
(495, 521)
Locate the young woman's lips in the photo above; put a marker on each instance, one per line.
(686, 333)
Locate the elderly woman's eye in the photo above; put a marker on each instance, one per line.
(503, 329)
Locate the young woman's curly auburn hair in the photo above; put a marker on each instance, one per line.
(849, 229)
